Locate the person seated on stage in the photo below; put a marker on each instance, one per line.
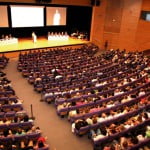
(6, 37)
(3, 36)
(52, 33)
(49, 34)
(9, 36)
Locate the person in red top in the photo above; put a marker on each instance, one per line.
(41, 143)
(107, 148)
(41, 138)
(143, 101)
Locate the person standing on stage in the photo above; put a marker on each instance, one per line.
(34, 37)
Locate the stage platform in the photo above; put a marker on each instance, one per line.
(42, 42)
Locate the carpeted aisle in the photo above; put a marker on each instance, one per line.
(56, 129)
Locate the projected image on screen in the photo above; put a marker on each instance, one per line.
(55, 16)
(27, 16)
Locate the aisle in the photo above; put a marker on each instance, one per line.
(56, 129)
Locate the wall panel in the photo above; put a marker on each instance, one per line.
(98, 22)
(143, 30)
(113, 39)
(129, 32)
(113, 16)
(130, 18)
(146, 5)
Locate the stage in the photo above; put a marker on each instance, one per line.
(42, 42)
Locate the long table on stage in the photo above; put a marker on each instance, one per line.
(42, 42)
(8, 41)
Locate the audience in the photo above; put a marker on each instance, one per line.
(14, 121)
(104, 96)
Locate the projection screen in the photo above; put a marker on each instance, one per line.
(55, 16)
(27, 16)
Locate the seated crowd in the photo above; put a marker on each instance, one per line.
(105, 96)
(17, 130)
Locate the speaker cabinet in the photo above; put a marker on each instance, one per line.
(92, 2)
(95, 2)
(98, 2)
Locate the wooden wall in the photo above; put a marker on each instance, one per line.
(98, 22)
(118, 21)
(143, 30)
(146, 5)
(130, 18)
(113, 22)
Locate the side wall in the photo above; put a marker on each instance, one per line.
(143, 30)
(118, 21)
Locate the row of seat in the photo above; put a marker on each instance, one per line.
(10, 111)
(112, 68)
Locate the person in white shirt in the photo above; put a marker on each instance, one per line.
(142, 92)
(89, 121)
(73, 127)
(110, 104)
(72, 113)
(125, 81)
(118, 92)
(34, 37)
